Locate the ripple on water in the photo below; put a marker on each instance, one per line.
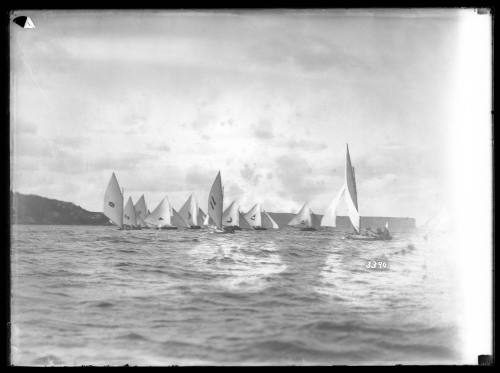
(278, 297)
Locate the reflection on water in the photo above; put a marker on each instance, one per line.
(244, 266)
(96, 295)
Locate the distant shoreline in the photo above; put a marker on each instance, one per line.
(30, 209)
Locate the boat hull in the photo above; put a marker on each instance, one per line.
(260, 228)
(307, 229)
(129, 228)
(232, 227)
(195, 227)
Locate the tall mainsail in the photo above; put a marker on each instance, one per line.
(215, 199)
(189, 211)
(161, 215)
(303, 218)
(129, 214)
(351, 192)
(113, 202)
(231, 216)
(141, 211)
(268, 222)
(330, 217)
(253, 216)
(243, 222)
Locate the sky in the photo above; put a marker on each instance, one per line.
(165, 99)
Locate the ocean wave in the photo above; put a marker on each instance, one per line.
(273, 298)
(48, 360)
(134, 337)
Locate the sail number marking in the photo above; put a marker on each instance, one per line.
(377, 264)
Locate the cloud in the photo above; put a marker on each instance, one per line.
(164, 148)
(317, 54)
(197, 177)
(303, 144)
(158, 98)
(249, 175)
(25, 128)
(123, 161)
(263, 130)
(296, 176)
(71, 142)
(29, 145)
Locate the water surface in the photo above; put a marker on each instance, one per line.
(98, 296)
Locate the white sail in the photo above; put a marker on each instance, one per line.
(141, 211)
(268, 222)
(178, 220)
(253, 216)
(161, 215)
(303, 218)
(243, 222)
(231, 216)
(129, 214)
(113, 202)
(189, 211)
(215, 200)
(330, 217)
(351, 192)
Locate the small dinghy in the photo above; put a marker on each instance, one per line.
(189, 212)
(305, 219)
(161, 217)
(268, 222)
(141, 212)
(254, 218)
(231, 217)
(113, 202)
(129, 218)
(350, 192)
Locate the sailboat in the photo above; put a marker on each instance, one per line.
(268, 222)
(231, 217)
(254, 218)
(129, 219)
(161, 217)
(243, 222)
(141, 211)
(204, 220)
(215, 203)
(305, 219)
(113, 202)
(189, 212)
(178, 220)
(351, 196)
(330, 217)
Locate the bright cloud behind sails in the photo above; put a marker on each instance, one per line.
(270, 99)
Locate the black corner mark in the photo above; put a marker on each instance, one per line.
(484, 360)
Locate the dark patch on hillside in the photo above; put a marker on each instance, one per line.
(33, 209)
